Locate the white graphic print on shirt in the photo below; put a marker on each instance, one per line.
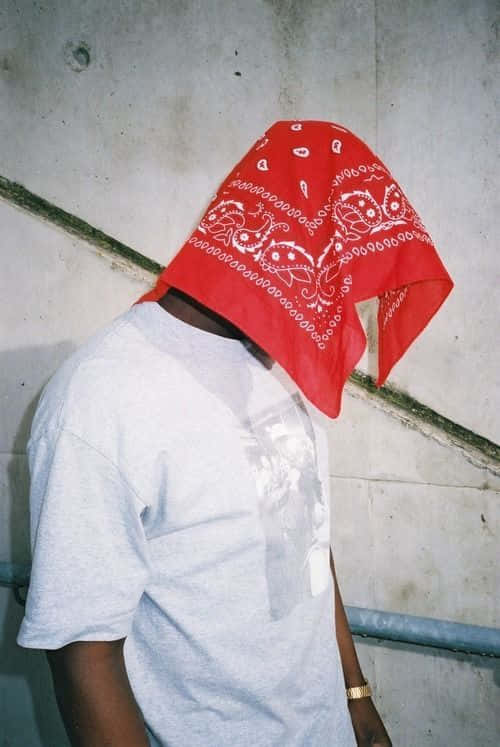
(281, 449)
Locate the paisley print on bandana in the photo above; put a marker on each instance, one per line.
(308, 223)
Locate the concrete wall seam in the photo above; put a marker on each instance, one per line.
(124, 257)
(477, 450)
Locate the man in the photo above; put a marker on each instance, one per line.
(182, 578)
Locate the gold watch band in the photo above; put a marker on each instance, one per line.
(363, 691)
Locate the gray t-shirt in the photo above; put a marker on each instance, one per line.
(179, 499)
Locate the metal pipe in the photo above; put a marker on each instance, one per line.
(387, 626)
(424, 631)
(14, 575)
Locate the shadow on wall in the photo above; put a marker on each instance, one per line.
(29, 711)
(29, 704)
(31, 367)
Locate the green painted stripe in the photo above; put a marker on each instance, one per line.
(425, 414)
(27, 200)
(19, 195)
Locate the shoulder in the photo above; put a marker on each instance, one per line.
(87, 380)
(112, 383)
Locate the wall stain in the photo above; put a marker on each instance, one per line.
(289, 18)
(406, 592)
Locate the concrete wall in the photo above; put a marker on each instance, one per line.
(58, 292)
(129, 115)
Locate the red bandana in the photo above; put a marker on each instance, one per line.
(308, 223)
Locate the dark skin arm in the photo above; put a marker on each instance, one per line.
(368, 727)
(94, 695)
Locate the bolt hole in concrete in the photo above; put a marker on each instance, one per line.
(77, 55)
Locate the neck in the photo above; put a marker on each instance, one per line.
(188, 310)
(192, 312)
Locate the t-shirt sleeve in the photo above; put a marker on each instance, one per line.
(89, 549)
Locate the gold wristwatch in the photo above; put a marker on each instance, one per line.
(362, 691)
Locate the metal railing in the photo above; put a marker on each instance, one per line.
(424, 631)
(387, 626)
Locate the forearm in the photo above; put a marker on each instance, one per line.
(353, 675)
(94, 695)
(366, 722)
